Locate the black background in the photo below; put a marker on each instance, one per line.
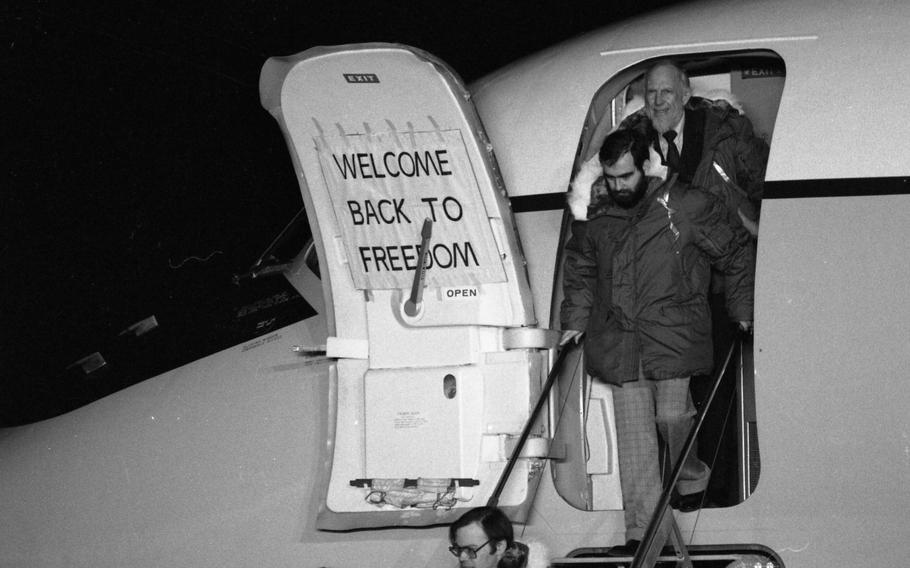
(142, 172)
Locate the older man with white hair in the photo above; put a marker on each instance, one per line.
(707, 144)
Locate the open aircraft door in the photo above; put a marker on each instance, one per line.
(436, 369)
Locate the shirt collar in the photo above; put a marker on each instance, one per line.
(679, 130)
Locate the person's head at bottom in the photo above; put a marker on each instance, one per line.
(483, 538)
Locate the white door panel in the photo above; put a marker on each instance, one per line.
(435, 374)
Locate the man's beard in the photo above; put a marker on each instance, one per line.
(664, 121)
(630, 197)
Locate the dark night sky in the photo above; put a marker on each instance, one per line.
(142, 172)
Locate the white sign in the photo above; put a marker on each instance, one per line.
(461, 293)
(384, 185)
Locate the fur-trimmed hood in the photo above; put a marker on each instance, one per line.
(525, 555)
(538, 555)
(588, 185)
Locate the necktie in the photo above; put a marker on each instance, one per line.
(672, 151)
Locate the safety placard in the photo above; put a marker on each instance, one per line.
(384, 185)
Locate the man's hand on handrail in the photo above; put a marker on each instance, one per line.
(570, 335)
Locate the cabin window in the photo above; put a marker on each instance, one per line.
(588, 477)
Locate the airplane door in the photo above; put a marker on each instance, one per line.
(430, 315)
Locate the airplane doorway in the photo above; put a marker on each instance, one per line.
(751, 82)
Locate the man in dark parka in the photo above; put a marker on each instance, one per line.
(715, 146)
(636, 280)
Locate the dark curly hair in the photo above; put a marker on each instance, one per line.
(497, 526)
(621, 141)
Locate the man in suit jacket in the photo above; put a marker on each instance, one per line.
(708, 144)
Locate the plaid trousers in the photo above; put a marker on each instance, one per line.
(645, 409)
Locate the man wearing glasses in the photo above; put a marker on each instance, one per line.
(483, 538)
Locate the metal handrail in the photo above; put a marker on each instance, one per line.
(493, 501)
(647, 542)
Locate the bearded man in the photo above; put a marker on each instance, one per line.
(636, 281)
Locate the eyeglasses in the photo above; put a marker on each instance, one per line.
(470, 551)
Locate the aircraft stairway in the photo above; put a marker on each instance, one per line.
(699, 556)
(663, 544)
